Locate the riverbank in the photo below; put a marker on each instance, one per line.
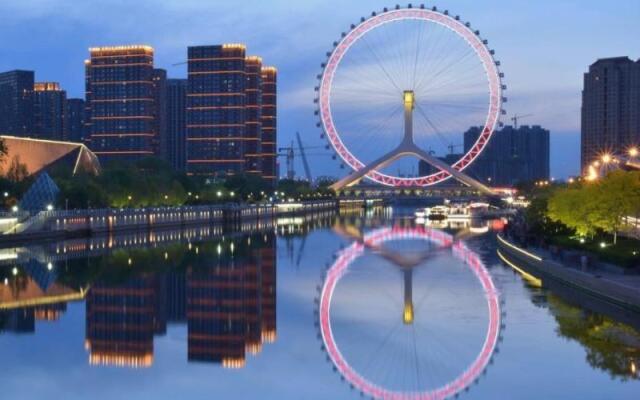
(537, 266)
(62, 224)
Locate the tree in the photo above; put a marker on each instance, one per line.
(613, 199)
(17, 171)
(603, 205)
(4, 151)
(573, 207)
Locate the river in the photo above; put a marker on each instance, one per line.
(329, 308)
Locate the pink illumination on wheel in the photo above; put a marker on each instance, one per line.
(374, 239)
(342, 48)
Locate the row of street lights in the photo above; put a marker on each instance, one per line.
(608, 160)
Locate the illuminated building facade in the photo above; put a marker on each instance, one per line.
(216, 316)
(16, 103)
(75, 120)
(121, 97)
(231, 113)
(216, 110)
(121, 323)
(610, 108)
(269, 124)
(253, 120)
(160, 111)
(176, 123)
(49, 111)
(231, 303)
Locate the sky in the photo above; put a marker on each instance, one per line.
(544, 48)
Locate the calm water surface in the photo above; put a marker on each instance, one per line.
(301, 311)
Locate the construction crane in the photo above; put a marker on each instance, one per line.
(307, 170)
(289, 153)
(517, 117)
(452, 147)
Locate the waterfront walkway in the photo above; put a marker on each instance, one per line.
(538, 265)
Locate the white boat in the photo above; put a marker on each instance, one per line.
(454, 211)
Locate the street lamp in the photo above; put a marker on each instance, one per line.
(606, 158)
(14, 208)
(633, 152)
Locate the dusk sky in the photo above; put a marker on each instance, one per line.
(544, 48)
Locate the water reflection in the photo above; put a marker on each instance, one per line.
(209, 298)
(611, 346)
(221, 286)
(408, 345)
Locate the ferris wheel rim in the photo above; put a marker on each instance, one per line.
(341, 48)
(470, 374)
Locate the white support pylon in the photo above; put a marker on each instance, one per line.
(408, 148)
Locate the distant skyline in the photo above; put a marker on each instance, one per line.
(544, 47)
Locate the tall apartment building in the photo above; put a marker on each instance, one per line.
(511, 156)
(230, 106)
(176, 123)
(253, 116)
(269, 123)
(160, 111)
(610, 108)
(216, 110)
(49, 111)
(121, 101)
(75, 120)
(16, 103)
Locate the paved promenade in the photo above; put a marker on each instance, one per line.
(620, 289)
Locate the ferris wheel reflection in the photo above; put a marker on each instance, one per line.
(380, 244)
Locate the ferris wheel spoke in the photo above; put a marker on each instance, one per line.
(449, 66)
(460, 82)
(379, 63)
(440, 135)
(439, 57)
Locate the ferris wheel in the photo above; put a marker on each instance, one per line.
(406, 84)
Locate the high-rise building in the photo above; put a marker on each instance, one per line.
(49, 111)
(253, 116)
(176, 123)
(16, 103)
(216, 110)
(424, 168)
(269, 123)
(75, 120)
(610, 108)
(121, 99)
(87, 102)
(511, 156)
(160, 111)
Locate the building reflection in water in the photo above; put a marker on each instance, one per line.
(224, 290)
(231, 304)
